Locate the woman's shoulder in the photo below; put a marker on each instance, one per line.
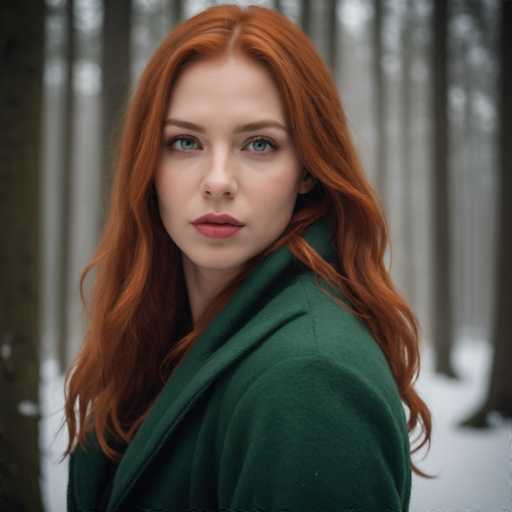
(326, 329)
(340, 335)
(324, 341)
(323, 422)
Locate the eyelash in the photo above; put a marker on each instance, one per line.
(172, 140)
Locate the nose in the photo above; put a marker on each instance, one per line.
(220, 180)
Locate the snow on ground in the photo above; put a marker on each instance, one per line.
(54, 475)
(474, 467)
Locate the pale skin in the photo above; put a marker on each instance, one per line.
(224, 170)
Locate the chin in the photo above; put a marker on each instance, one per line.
(208, 260)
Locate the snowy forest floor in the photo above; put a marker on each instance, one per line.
(474, 467)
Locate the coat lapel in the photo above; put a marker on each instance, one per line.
(221, 345)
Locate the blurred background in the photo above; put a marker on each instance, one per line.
(426, 86)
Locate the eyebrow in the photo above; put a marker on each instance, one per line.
(249, 127)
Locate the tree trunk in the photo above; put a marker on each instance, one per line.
(116, 79)
(406, 150)
(333, 36)
(442, 306)
(177, 12)
(471, 209)
(66, 190)
(22, 58)
(306, 19)
(500, 389)
(463, 247)
(380, 104)
(499, 395)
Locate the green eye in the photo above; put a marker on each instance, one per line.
(186, 148)
(187, 144)
(265, 142)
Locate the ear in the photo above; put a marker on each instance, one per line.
(307, 182)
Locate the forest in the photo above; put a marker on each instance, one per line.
(426, 88)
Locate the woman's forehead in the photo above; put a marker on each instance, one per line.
(213, 84)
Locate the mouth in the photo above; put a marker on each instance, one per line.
(209, 223)
(218, 219)
(215, 230)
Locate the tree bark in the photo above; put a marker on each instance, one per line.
(66, 188)
(306, 18)
(499, 395)
(442, 306)
(380, 104)
(177, 11)
(116, 79)
(22, 58)
(500, 389)
(406, 150)
(333, 38)
(471, 210)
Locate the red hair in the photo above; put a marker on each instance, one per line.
(139, 307)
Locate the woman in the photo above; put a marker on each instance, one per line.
(255, 365)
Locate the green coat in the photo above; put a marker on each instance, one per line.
(285, 404)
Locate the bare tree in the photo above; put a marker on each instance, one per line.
(306, 18)
(442, 305)
(499, 394)
(22, 54)
(333, 30)
(380, 101)
(66, 187)
(406, 148)
(116, 77)
(177, 11)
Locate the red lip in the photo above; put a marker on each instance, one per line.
(217, 230)
(217, 218)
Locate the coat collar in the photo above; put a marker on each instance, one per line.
(216, 349)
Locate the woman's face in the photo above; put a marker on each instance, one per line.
(218, 166)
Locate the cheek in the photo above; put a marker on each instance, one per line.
(165, 192)
(160, 177)
(282, 187)
(166, 184)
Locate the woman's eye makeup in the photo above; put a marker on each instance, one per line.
(183, 143)
(187, 143)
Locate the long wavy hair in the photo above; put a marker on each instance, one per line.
(139, 308)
